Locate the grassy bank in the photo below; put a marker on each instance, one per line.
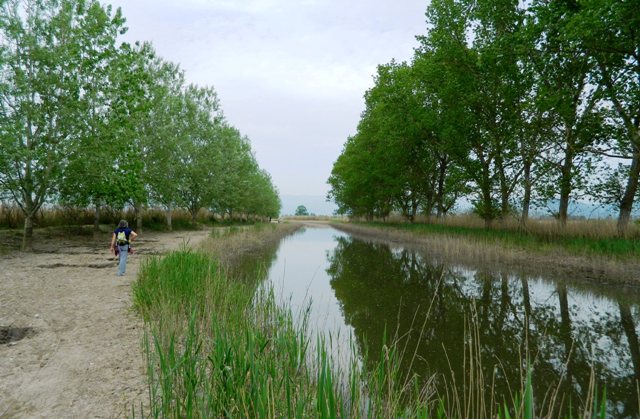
(594, 258)
(582, 238)
(221, 347)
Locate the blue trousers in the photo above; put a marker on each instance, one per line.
(123, 253)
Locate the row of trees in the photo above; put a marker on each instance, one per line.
(88, 121)
(507, 104)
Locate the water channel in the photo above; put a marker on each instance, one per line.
(369, 291)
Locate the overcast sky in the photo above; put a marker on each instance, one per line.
(290, 74)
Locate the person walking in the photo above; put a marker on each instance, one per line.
(120, 244)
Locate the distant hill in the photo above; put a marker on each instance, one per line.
(315, 204)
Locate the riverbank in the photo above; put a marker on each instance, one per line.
(490, 251)
(70, 345)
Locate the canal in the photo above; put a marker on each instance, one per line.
(462, 324)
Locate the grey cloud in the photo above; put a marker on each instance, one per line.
(290, 74)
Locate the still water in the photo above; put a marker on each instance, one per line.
(369, 292)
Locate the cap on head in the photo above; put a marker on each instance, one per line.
(123, 224)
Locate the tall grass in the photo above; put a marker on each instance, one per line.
(11, 217)
(582, 238)
(547, 227)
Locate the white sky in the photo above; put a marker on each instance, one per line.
(290, 74)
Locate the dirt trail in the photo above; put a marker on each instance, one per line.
(70, 344)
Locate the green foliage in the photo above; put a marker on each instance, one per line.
(48, 99)
(224, 347)
(88, 121)
(507, 104)
(301, 210)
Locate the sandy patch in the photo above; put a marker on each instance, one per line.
(70, 344)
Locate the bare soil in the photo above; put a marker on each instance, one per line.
(70, 343)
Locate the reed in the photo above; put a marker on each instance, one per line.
(580, 238)
(544, 227)
(227, 244)
(11, 217)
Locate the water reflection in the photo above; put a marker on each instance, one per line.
(252, 267)
(385, 292)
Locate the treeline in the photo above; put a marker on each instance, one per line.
(506, 104)
(89, 121)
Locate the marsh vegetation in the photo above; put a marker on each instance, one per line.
(423, 338)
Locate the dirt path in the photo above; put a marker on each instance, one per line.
(70, 344)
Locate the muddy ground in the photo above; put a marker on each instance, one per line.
(70, 343)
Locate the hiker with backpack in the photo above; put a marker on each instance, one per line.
(120, 244)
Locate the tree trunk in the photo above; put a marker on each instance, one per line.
(486, 206)
(27, 238)
(526, 200)
(96, 219)
(138, 212)
(414, 210)
(565, 187)
(169, 217)
(504, 190)
(629, 329)
(626, 205)
(565, 330)
(29, 209)
(440, 189)
(194, 213)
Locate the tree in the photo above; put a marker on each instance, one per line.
(467, 101)
(301, 211)
(570, 99)
(43, 46)
(201, 159)
(168, 139)
(607, 30)
(89, 177)
(133, 124)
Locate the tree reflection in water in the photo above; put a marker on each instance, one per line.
(387, 292)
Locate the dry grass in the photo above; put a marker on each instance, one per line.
(227, 244)
(326, 218)
(550, 262)
(11, 217)
(543, 227)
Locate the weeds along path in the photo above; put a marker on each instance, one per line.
(70, 344)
